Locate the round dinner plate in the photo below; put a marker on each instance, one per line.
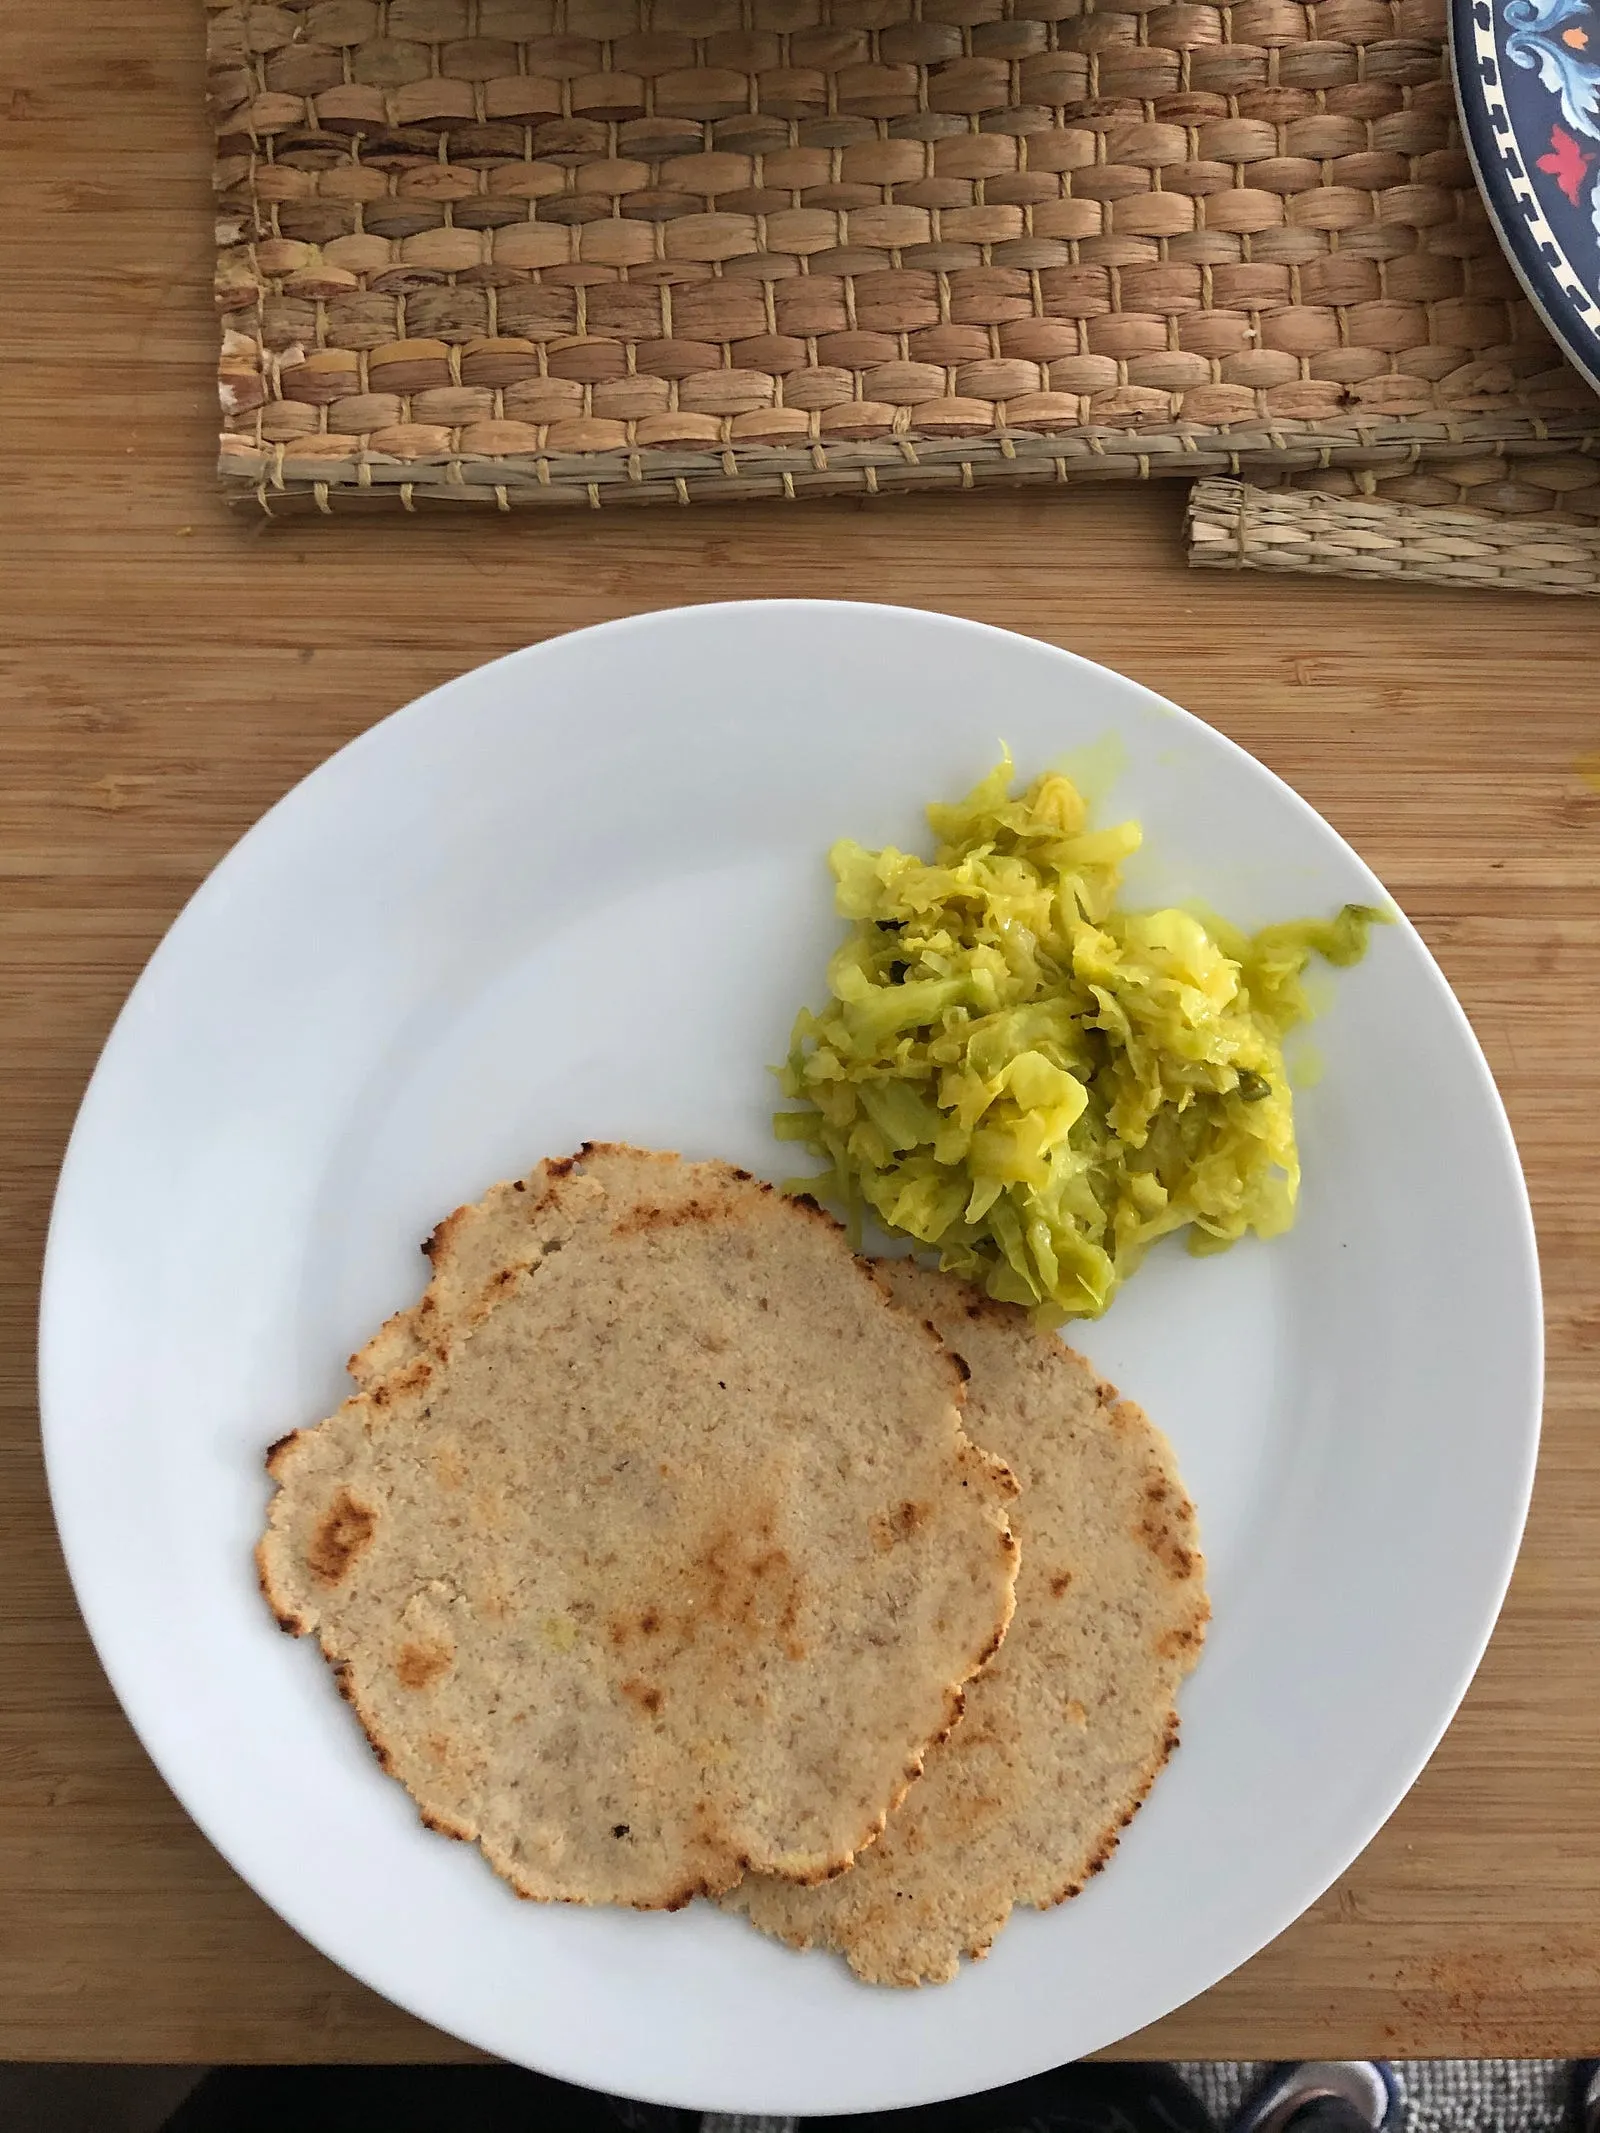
(579, 894)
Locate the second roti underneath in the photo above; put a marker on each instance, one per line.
(1067, 1728)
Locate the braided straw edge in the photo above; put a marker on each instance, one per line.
(1232, 526)
(267, 478)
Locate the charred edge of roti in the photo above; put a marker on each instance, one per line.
(804, 1940)
(1100, 1858)
(1184, 1564)
(411, 1330)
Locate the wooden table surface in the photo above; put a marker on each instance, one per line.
(169, 672)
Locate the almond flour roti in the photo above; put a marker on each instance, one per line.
(652, 1548)
(1068, 1726)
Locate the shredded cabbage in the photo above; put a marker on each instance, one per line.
(1038, 1085)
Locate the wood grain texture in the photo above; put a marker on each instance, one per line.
(168, 672)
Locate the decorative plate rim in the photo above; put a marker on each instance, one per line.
(1551, 282)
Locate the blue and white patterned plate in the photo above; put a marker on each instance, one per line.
(1528, 79)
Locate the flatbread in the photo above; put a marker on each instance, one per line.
(664, 1555)
(1068, 1727)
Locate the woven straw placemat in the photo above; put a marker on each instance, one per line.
(547, 251)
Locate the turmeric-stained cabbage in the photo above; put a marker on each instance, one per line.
(1036, 1084)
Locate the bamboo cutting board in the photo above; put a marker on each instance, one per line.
(167, 672)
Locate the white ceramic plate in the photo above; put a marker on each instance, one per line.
(580, 893)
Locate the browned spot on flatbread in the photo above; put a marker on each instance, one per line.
(1166, 1515)
(419, 1665)
(563, 1166)
(1164, 1544)
(647, 1215)
(1181, 1638)
(345, 1530)
(407, 1378)
(738, 1584)
(644, 1693)
(623, 1627)
(890, 1528)
(746, 1582)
